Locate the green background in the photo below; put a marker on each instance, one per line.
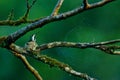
(94, 25)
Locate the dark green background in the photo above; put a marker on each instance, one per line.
(94, 25)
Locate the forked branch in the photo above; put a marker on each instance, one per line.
(24, 19)
(8, 41)
(28, 9)
(28, 66)
(57, 7)
(40, 23)
(86, 4)
(55, 63)
(50, 61)
(105, 46)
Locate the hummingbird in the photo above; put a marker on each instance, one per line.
(31, 45)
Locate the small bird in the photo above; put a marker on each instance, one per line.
(31, 45)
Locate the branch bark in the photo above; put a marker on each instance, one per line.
(8, 41)
(47, 60)
(28, 66)
(24, 19)
(55, 63)
(57, 7)
(40, 23)
(104, 46)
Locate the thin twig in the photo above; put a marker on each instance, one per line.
(21, 20)
(57, 8)
(103, 46)
(18, 22)
(34, 1)
(75, 45)
(28, 9)
(11, 15)
(28, 66)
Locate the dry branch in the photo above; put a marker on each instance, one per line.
(50, 61)
(86, 4)
(28, 9)
(11, 15)
(104, 46)
(21, 20)
(57, 7)
(8, 42)
(28, 66)
(55, 63)
(40, 23)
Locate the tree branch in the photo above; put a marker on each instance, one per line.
(28, 66)
(76, 45)
(23, 19)
(50, 61)
(40, 23)
(55, 63)
(11, 15)
(104, 46)
(57, 8)
(28, 9)
(86, 4)
(6, 41)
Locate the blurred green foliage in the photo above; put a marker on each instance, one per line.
(94, 25)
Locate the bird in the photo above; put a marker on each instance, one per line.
(31, 45)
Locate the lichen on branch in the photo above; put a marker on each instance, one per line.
(8, 41)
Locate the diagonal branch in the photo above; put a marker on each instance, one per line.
(57, 7)
(40, 23)
(50, 61)
(55, 63)
(28, 66)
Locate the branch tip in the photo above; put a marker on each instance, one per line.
(11, 15)
(28, 66)
(28, 9)
(57, 8)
